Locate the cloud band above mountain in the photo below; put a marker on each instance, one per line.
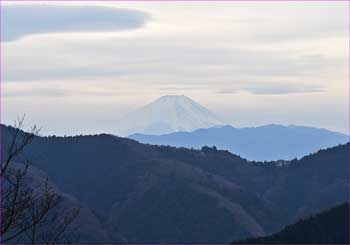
(272, 88)
(19, 21)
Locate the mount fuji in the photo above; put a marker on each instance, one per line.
(167, 114)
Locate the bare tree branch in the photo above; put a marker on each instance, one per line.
(29, 213)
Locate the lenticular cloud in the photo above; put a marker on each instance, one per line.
(19, 21)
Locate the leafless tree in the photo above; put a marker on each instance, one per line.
(30, 214)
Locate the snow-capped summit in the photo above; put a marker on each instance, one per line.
(167, 114)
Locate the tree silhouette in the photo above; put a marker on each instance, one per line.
(30, 214)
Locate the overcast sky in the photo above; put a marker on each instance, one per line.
(74, 68)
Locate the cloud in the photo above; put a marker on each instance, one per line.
(19, 21)
(55, 90)
(50, 93)
(272, 88)
(153, 60)
(230, 57)
(280, 89)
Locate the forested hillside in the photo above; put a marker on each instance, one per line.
(153, 194)
(328, 227)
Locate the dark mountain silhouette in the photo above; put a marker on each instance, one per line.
(154, 194)
(270, 142)
(86, 228)
(328, 227)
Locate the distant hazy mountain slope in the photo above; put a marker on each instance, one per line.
(168, 114)
(156, 194)
(271, 142)
(328, 227)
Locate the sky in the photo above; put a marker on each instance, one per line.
(78, 68)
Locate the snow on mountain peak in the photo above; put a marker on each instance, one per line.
(167, 114)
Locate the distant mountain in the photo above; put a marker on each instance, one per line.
(270, 142)
(328, 227)
(168, 114)
(154, 194)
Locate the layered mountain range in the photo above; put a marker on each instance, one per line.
(180, 121)
(270, 142)
(141, 193)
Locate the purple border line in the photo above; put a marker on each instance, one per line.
(349, 107)
(241, 1)
(0, 123)
(102, 1)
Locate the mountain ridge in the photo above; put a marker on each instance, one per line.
(156, 194)
(331, 226)
(267, 142)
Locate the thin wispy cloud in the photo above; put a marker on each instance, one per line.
(19, 21)
(272, 88)
(280, 89)
(156, 61)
